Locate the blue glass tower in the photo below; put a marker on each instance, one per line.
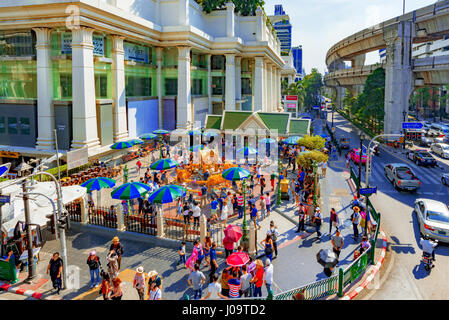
(283, 29)
(297, 58)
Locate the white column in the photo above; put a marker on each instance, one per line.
(118, 89)
(160, 102)
(209, 81)
(230, 82)
(279, 89)
(184, 114)
(269, 91)
(266, 86)
(83, 90)
(46, 122)
(238, 78)
(258, 84)
(230, 16)
(273, 88)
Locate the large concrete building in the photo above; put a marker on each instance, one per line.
(297, 62)
(102, 71)
(283, 27)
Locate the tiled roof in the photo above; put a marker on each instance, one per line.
(213, 122)
(274, 121)
(233, 119)
(299, 127)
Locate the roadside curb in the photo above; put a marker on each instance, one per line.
(29, 293)
(353, 293)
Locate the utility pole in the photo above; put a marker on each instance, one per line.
(26, 206)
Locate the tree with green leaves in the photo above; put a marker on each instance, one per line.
(312, 142)
(306, 159)
(296, 89)
(312, 84)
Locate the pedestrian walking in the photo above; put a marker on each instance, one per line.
(268, 203)
(255, 216)
(365, 245)
(138, 165)
(186, 213)
(213, 209)
(234, 285)
(105, 285)
(301, 216)
(333, 220)
(196, 280)
(356, 217)
(196, 213)
(225, 211)
(258, 279)
(224, 282)
(262, 207)
(274, 233)
(113, 270)
(337, 243)
(245, 279)
(323, 169)
(262, 184)
(55, 270)
(118, 248)
(206, 248)
(317, 219)
(139, 282)
(117, 290)
(182, 254)
(268, 243)
(93, 261)
(272, 180)
(214, 289)
(269, 270)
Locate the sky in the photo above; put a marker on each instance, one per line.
(318, 24)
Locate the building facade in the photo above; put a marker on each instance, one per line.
(297, 62)
(283, 27)
(100, 71)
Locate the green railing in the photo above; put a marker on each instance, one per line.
(313, 291)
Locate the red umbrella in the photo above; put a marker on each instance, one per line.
(233, 233)
(237, 259)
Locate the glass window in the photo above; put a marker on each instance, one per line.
(2, 125)
(217, 85)
(17, 43)
(197, 86)
(65, 81)
(218, 62)
(12, 125)
(246, 86)
(138, 86)
(171, 87)
(437, 216)
(25, 126)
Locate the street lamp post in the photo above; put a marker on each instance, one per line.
(315, 171)
(361, 136)
(244, 224)
(333, 116)
(278, 200)
(404, 113)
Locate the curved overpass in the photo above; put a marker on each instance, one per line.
(397, 36)
(431, 23)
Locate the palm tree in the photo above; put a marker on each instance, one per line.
(296, 89)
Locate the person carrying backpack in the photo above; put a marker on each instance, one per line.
(93, 261)
(274, 233)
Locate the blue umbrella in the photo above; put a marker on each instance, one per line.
(248, 151)
(98, 183)
(267, 140)
(167, 194)
(148, 136)
(121, 145)
(164, 164)
(235, 174)
(292, 140)
(161, 131)
(130, 190)
(196, 148)
(323, 135)
(135, 141)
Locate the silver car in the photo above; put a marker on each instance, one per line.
(433, 219)
(402, 176)
(441, 149)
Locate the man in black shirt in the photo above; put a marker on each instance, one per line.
(55, 268)
(118, 248)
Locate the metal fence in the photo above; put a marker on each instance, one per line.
(74, 210)
(313, 291)
(141, 223)
(216, 234)
(103, 216)
(179, 230)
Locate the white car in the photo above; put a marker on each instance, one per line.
(402, 177)
(433, 219)
(440, 149)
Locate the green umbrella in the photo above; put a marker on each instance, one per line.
(164, 164)
(148, 136)
(98, 183)
(121, 145)
(167, 194)
(130, 190)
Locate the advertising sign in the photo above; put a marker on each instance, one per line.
(97, 41)
(136, 52)
(291, 105)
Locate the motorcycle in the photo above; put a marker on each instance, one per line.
(377, 150)
(428, 260)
